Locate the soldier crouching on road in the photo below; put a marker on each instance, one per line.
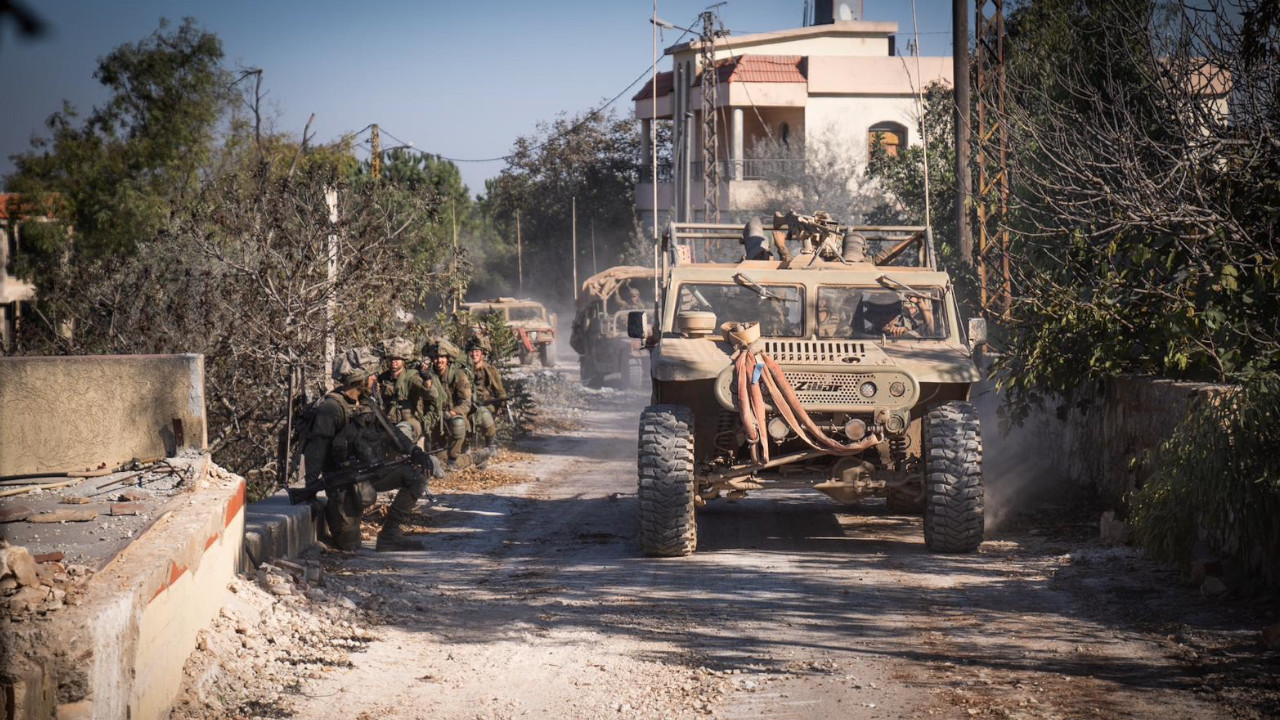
(453, 389)
(345, 437)
(487, 393)
(406, 396)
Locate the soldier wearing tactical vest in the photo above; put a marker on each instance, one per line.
(453, 389)
(406, 396)
(345, 435)
(486, 389)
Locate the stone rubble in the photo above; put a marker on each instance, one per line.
(29, 587)
(282, 629)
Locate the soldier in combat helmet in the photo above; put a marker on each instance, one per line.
(344, 435)
(406, 395)
(487, 391)
(453, 388)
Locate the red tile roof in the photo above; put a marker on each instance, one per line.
(665, 84)
(762, 69)
(15, 205)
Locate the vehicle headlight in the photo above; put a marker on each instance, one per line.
(868, 389)
(897, 389)
(855, 429)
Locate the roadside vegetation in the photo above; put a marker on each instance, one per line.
(184, 220)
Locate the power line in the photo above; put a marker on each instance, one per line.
(586, 119)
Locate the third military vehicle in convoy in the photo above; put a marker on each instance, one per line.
(535, 329)
(808, 355)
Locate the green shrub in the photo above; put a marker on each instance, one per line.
(1217, 481)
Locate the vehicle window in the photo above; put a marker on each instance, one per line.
(780, 316)
(525, 313)
(873, 313)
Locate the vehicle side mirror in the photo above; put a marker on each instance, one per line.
(638, 324)
(977, 332)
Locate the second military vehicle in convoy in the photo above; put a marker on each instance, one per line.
(808, 355)
(599, 335)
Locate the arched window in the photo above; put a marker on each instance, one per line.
(891, 135)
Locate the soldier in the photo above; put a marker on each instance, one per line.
(486, 390)
(345, 436)
(406, 396)
(633, 300)
(828, 322)
(453, 389)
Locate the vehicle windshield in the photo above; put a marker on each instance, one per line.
(780, 316)
(874, 313)
(525, 313)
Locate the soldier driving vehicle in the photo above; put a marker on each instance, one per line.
(831, 360)
(345, 450)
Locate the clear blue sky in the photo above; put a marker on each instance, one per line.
(462, 79)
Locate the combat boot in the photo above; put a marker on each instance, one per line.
(393, 539)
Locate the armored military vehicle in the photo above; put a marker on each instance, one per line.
(535, 329)
(599, 334)
(811, 355)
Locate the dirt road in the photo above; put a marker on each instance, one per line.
(533, 602)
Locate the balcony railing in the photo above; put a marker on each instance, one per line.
(753, 168)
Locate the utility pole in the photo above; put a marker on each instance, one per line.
(993, 162)
(519, 256)
(960, 72)
(331, 301)
(376, 141)
(710, 128)
(594, 267)
(653, 125)
(575, 247)
(453, 210)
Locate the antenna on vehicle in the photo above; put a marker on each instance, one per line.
(924, 131)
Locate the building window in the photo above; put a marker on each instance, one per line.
(889, 134)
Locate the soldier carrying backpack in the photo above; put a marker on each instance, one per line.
(344, 441)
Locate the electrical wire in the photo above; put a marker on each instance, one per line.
(585, 119)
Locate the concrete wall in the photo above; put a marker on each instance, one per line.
(81, 412)
(119, 653)
(1099, 444)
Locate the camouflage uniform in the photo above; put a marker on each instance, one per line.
(453, 392)
(828, 322)
(486, 392)
(344, 435)
(405, 395)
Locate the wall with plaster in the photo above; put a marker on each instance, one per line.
(84, 412)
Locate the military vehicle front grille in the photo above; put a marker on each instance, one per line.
(815, 352)
(826, 389)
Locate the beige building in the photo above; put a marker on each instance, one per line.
(780, 95)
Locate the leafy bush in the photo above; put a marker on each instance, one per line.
(1218, 482)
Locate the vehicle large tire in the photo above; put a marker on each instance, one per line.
(547, 354)
(665, 495)
(953, 520)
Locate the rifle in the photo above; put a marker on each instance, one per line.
(414, 456)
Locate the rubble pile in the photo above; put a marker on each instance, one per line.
(280, 631)
(36, 585)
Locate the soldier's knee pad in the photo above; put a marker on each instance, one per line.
(409, 428)
(457, 428)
